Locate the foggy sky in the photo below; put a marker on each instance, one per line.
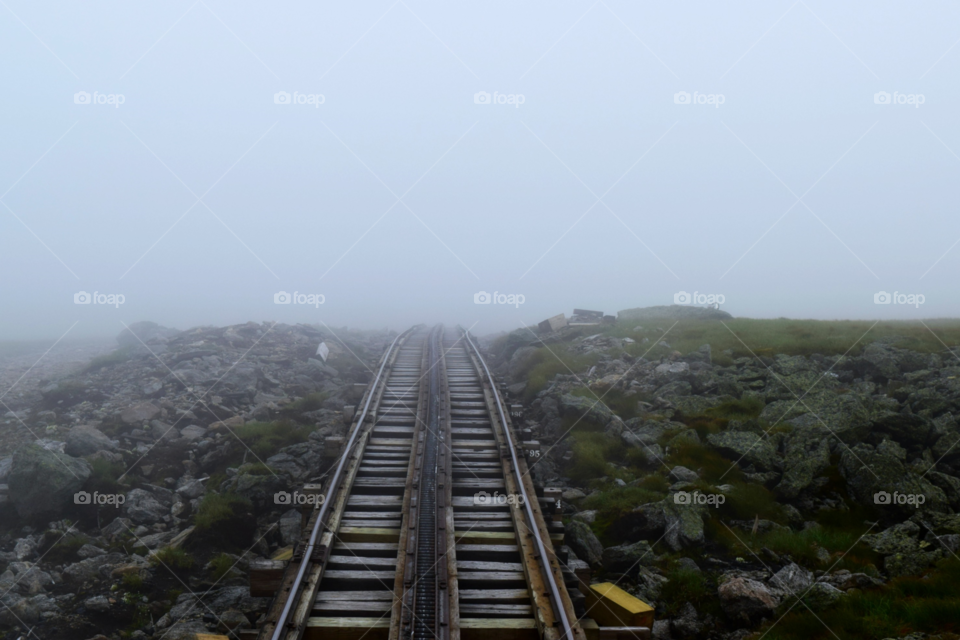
(400, 197)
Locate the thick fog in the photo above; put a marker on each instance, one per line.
(394, 159)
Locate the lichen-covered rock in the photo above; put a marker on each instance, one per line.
(43, 482)
(627, 557)
(587, 408)
(746, 446)
(792, 579)
(683, 524)
(806, 456)
(878, 477)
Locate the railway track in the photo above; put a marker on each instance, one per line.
(431, 526)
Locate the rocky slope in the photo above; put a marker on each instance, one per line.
(730, 492)
(148, 482)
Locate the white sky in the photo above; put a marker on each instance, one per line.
(493, 197)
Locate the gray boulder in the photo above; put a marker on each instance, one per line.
(43, 482)
(625, 558)
(140, 412)
(141, 507)
(747, 600)
(85, 440)
(683, 524)
(584, 543)
(747, 447)
(806, 456)
(881, 472)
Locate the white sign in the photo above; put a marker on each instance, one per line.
(323, 351)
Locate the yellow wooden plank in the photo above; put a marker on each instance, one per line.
(611, 606)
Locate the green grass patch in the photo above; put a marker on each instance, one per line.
(175, 559)
(219, 509)
(613, 503)
(802, 546)
(221, 565)
(905, 605)
(749, 500)
(132, 581)
(711, 466)
(539, 367)
(686, 585)
(310, 402)
(104, 477)
(592, 454)
(743, 410)
(266, 438)
(64, 550)
(782, 335)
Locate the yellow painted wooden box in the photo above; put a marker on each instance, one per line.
(611, 606)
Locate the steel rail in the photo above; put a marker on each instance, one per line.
(281, 624)
(544, 558)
